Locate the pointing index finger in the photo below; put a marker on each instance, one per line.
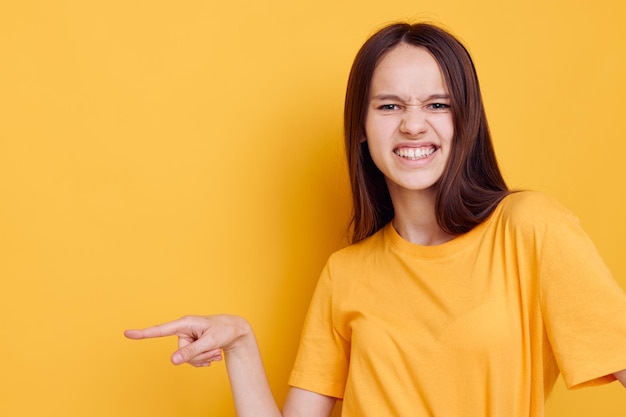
(161, 330)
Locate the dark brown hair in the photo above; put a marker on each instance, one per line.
(471, 185)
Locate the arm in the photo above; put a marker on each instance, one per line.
(302, 403)
(247, 375)
(621, 376)
(202, 340)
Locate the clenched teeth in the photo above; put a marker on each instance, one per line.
(415, 153)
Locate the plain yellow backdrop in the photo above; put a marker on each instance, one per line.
(163, 158)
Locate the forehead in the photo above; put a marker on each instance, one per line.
(408, 68)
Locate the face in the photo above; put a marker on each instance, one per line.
(409, 126)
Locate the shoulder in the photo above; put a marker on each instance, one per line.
(524, 208)
(536, 221)
(533, 215)
(358, 255)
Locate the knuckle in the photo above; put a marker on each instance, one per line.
(188, 353)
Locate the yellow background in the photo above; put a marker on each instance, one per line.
(160, 158)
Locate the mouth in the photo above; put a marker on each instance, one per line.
(414, 154)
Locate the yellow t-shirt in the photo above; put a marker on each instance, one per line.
(477, 326)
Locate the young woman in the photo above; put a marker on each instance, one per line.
(456, 297)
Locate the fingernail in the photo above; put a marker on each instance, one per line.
(177, 359)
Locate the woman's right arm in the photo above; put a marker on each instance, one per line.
(202, 339)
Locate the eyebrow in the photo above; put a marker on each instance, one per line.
(383, 97)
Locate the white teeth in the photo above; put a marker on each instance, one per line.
(415, 153)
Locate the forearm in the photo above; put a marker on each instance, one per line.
(251, 391)
(203, 339)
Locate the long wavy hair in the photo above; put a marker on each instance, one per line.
(471, 185)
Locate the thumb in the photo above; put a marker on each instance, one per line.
(187, 352)
(178, 358)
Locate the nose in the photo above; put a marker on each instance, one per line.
(414, 121)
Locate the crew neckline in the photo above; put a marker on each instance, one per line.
(452, 246)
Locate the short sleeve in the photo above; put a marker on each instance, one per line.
(584, 308)
(322, 361)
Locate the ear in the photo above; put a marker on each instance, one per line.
(363, 139)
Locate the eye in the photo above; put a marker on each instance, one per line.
(389, 107)
(438, 106)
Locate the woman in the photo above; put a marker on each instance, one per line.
(456, 297)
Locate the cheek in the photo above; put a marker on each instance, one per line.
(445, 129)
(380, 127)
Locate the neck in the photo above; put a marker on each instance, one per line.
(415, 218)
